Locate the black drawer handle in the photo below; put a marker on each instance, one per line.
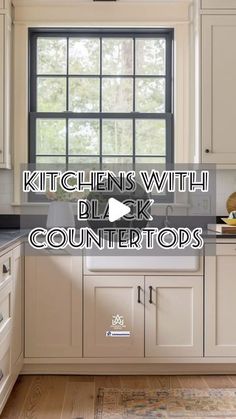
(1, 375)
(1, 318)
(139, 294)
(5, 270)
(207, 150)
(150, 295)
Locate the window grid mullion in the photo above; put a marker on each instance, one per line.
(67, 101)
(134, 98)
(103, 76)
(97, 115)
(100, 99)
(104, 155)
(67, 76)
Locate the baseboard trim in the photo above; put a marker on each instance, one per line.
(124, 369)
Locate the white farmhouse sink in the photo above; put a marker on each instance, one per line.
(142, 263)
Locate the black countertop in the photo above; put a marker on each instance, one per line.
(9, 237)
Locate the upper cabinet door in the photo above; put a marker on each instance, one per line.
(53, 306)
(5, 89)
(218, 89)
(174, 316)
(2, 75)
(218, 4)
(113, 316)
(220, 311)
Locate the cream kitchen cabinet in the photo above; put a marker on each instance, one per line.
(11, 319)
(115, 309)
(6, 298)
(18, 304)
(174, 316)
(53, 306)
(5, 91)
(218, 4)
(5, 5)
(113, 316)
(220, 306)
(218, 87)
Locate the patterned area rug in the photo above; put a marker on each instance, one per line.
(115, 403)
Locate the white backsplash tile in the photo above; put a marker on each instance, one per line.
(225, 186)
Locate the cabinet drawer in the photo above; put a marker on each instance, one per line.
(5, 267)
(4, 361)
(4, 368)
(226, 249)
(5, 309)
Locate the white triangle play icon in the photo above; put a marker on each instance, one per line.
(117, 210)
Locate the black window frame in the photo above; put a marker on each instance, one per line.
(167, 33)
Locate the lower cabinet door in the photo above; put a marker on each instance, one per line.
(220, 310)
(113, 316)
(174, 316)
(53, 306)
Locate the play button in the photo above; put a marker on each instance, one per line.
(111, 209)
(117, 210)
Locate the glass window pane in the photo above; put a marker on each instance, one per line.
(84, 161)
(150, 56)
(83, 136)
(84, 95)
(84, 56)
(150, 95)
(117, 163)
(51, 94)
(150, 137)
(50, 160)
(117, 160)
(117, 56)
(51, 136)
(117, 95)
(150, 161)
(117, 136)
(51, 55)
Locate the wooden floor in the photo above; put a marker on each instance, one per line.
(73, 397)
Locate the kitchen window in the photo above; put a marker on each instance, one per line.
(101, 96)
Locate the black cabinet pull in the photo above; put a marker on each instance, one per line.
(207, 150)
(1, 375)
(139, 294)
(150, 295)
(5, 270)
(1, 317)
